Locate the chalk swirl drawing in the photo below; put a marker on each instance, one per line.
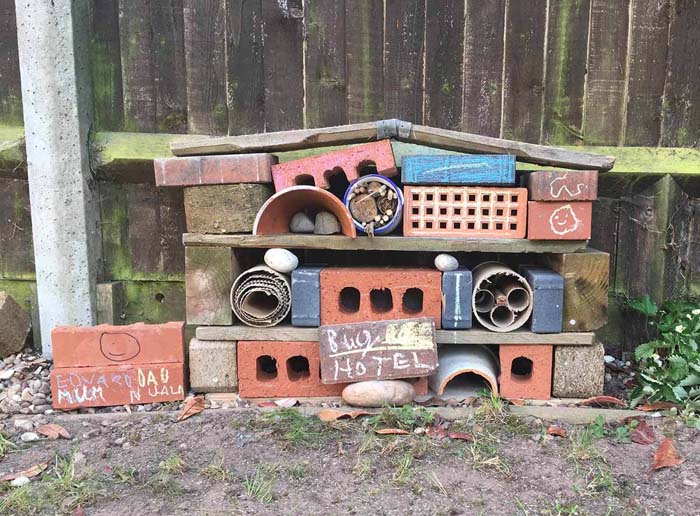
(563, 220)
(556, 189)
(119, 346)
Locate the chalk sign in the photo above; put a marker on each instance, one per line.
(378, 350)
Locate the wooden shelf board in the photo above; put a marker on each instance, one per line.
(387, 243)
(473, 336)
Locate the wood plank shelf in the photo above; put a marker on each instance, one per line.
(473, 336)
(385, 243)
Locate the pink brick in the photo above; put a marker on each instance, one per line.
(351, 295)
(559, 220)
(214, 170)
(526, 371)
(317, 170)
(464, 212)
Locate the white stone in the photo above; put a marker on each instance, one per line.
(378, 393)
(281, 260)
(301, 223)
(608, 359)
(28, 437)
(7, 374)
(24, 424)
(446, 262)
(19, 482)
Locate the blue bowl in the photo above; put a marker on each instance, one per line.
(395, 220)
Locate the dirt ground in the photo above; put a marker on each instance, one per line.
(230, 462)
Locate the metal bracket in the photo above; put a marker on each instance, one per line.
(393, 128)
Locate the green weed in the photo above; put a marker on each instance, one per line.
(216, 470)
(260, 485)
(173, 465)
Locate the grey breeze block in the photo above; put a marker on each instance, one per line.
(213, 366)
(548, 299)
(306, 296)
(457, 299)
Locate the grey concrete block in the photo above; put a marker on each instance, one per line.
(579, 371)
(213, 366)
(306, 296)
(548, 303)
(457, 299)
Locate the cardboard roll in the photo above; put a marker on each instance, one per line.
(261, 297)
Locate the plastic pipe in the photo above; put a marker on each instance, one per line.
(501, 281)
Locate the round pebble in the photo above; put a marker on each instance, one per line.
(281, 260)
(379, 393)
(446, 262)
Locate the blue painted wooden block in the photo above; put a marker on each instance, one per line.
(306, 296)
(457, 299)
(548, 303)
(466, 169)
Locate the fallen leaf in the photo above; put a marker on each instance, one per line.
(556, 430)
(391, 431)
(666, 455)
(193, 405)
(657, 405)
(643, 433)
(266, 404)
(328, 415)
(517, 402)
(79, 511)
(286, 402)
(436, 431)
(462, 436)
(602, 401)
(53, 431)
(29, 473)
(430, 401)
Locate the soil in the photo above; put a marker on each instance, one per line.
(260, 461)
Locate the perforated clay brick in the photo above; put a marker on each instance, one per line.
(526, 371)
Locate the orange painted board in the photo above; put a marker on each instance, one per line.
(105, 345)
(80, 387)
(559, 220)
(563, 185)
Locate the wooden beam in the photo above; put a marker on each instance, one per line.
(473, 336)
(388, 243)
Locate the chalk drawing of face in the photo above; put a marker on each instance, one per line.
(563, 220)
(119, 347)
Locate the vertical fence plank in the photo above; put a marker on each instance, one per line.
(567, 46)
(105, 64)
(607, 62)
(681, 107)
(245, 85)
(647, 71)
(283, 62)
(325, 63)
(404, 44)
(483, 71)
(16, 249)
(205, 59)
(524, 70)
(364, 61)
(10, 88)
(444, 51)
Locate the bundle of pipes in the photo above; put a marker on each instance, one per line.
(261, 297)
(502, 298)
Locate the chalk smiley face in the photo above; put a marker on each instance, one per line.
(564, 220)
(119, 347)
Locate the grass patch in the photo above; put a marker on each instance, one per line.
(5, 445)
(295, 428)
(18, 502)
(260, 485)
(402, 469)
(405, 418)
(173, 465)
(216, 471)
(299, 470)
(124, 475)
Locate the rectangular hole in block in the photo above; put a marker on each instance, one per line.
(499, 225)
(458, 197)
(471, 211)
(499, 197)
(484, 225)
(443, 197)
(472, 197)
(457, 225)
(513, 226)
(457, 211)
(443, 211)
(414, 225)
(486, 197)
(416, 196)
(265, 368)
(485, 211)
(443, 225)
(499, 212)
(429, 197)
(429, 211)
(514, 213)
(470, 225)
(415, 211)
(429, 225)
(514, 198)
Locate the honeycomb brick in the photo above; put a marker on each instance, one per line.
(281, 369)
(350, 295)
(317, 170)
(214, 170)
(563, 185)
(467, 212)
(526, 371)
(559, 220)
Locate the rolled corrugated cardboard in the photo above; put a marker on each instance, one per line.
(261, 297)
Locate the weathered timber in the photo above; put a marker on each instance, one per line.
(16, 248)
(224, 208)
(15, 326)
(473, 336)
(12, 152)
(110, 302)
(154, 301)
(10, 87)
(209, 274)
(387, 243)
(585, 287)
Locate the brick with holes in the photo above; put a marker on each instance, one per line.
(559, 220)
(467, 212)
(374, 294)
(376, 157)
(526, 371)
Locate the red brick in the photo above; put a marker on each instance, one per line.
(419, 384)
(73, 387)
(559, 220)
(253, 382)
(106, 345)
(466, 212)
(537, 384)
(320, 168)
(214, 170)
(366, 280)
(563, 185)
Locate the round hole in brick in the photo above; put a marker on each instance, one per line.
(465, 385)
(413, 301)
(349, 300)
(266, 368)
(298, 368)
(337, 180)
(381, 300)
(305, 179)
(521, 368)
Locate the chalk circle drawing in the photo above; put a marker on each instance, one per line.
(564, 220)
(556, 189)
(119, 346)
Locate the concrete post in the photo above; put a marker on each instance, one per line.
(56, 97)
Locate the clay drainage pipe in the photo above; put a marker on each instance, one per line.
(464, 371)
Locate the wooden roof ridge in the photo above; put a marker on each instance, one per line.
(396, 129)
